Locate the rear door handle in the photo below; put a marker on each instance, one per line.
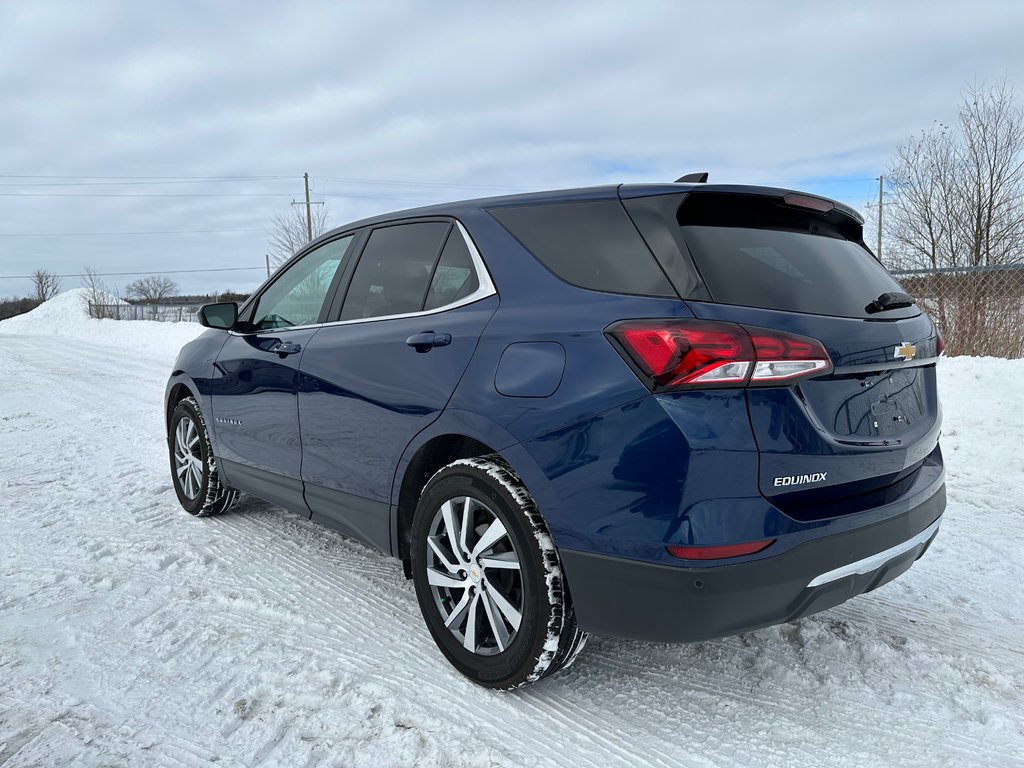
(426, 341)
(285, 348)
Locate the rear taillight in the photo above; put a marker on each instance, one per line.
(675, 354)
(785, 356)
(940, 343)
(698, 354)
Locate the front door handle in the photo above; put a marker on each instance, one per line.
(426, 341)
(285, 348)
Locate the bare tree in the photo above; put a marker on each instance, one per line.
(153, 288)
(958, 209)
(289, 234)
(96, 299)
(959, 192)
(46, 284)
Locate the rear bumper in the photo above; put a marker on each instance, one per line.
(648, 601)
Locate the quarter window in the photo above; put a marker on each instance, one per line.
(454, 278)
(297, 296)
(394, 271)
(590, 244)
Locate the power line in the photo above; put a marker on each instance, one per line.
(152, 232)
(129, 183)
(834, 180)
(123, 274)
(210, 194)
(204, 179)
(439, 184)
(143, 194)
(116, 180)
(383, 197)
(157, 179)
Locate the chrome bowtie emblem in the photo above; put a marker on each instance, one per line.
(905, 351)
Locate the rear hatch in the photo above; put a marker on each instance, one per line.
(857, 435)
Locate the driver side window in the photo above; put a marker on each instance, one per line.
(297, 296)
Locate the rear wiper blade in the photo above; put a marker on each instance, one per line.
(887, 301)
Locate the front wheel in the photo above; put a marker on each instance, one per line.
(193, 467)
(488, 577)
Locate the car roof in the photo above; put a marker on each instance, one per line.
(580, 194)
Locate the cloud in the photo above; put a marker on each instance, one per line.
(488, 96)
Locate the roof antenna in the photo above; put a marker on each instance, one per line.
(701, 177)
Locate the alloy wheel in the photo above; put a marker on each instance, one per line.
(474, 574)
(188, 459)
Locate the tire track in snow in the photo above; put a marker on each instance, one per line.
(309, 648)
(119, 461)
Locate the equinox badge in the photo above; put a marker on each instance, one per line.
(817, 477)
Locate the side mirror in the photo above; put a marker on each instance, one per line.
(223, 315)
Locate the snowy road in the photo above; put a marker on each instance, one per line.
(132, 634)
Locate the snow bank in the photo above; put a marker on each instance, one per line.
(67, 315)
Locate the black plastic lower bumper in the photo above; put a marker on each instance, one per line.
(646, 601)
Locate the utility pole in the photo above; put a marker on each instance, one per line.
(309, 214)
(268, 264)
(878, 253)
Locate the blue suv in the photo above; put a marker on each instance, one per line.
(669, 412)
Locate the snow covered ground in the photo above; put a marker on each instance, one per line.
(132, 634)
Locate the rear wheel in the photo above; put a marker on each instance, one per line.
(193, 467)
(488, 577)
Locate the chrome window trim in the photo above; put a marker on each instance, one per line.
(877, 560)
(483, 291)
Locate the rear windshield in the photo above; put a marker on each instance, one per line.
(759, 254)
(590, 244)
(794, 272)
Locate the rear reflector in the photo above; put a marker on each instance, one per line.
(718, 553)
(697, 354)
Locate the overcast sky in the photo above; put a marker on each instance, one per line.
(112, 112)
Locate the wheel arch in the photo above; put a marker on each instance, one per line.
(178, 388)
(459, 436)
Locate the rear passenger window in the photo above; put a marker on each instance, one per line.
(454, 279)
(593, 245)
(394, 270)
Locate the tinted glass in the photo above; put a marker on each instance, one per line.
(454, 278)
(792, 271)
(593, 245)
(297, 296)
(392, 275)
(650, 215)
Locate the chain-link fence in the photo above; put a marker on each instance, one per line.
(980, 310)
(168, 313)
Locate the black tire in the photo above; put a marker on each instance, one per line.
(199, 490)
(497, 652)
